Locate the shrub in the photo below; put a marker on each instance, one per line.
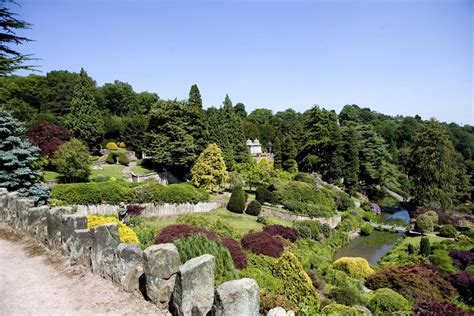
(412, 281)
(72, 161)
(122, 145)
(261, 268)
(146, 235)
(237, 201)
(238, 256)
(100, 178)
(279, 230)
(127, 235)
(339, 309)
(366, 230)
(343, 201)
(290, 166)
(387, 300)
(462, 258)
(198, 245)
(123, 159)
(305, 177)
(211, 223)
(111, 158)
(111, 146)
(309, 229)
(134, 209)
(263, 243)
(254, 208)
(431, 307)
(354, 266)
(442, 261)
(181, 231)
(432, 215)
(410, 249)
(326, 230)
(269, 301)
(345, 296)
(448, 231)
(48, 137)
(425, 247)
(424, 223)
(463, 282)
(209, 171)
(263, 195)
(318, 283)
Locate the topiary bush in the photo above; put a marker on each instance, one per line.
(345, 296)
(181, 231)
(122, 145)
(127, 235)
(288, 233)
(111, 146)
(463, 282)
(448, 231)
(414, 282)
(254, 208)
(431, 307)
(263, 243)
(424, 223)
(354, 266)
(386, 300)
(237, 200)
(425, 247)
(123, 159)
(238, 256)
(198, 245)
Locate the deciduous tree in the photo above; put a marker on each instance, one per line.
(72, 161)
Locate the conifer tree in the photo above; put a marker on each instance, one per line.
(210, 171)
(277, 154)
(288, 148)
(85, 120)
(197, 124)
(350, 154)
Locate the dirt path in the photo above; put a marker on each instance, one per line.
(34, 281)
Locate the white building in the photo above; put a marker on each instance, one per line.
(254, 147)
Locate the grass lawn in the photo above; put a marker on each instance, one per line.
(114, 171)
(415, 241)
(140, 170)
(50, 175)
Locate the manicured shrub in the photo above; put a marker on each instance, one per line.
(345, 296)
(198, 245)
(237, 201)
(123, 159)
(127, 235)
(254, 208)
(134, 209)
(309, 229)
(288, 233)
(339, 309)
(424, 223)
(431, 307)
(111, 158)
(263, 243)
(414, 282)
(238, 256)
(386, 300)
(111, 146)
(425, 247)
(181, 231)
(366, 230)
(122, 145)
(462, 258)
(263, 195)
(211, 223)
(354, 266)
(210, 172)
(269, 301)
(448, 231)
(442, 261)
(463, 282)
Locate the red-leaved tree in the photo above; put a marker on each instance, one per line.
(48, 137)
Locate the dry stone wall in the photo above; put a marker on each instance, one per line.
(332, 221)
(156, 273)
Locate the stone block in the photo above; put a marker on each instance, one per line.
(105, 240)
(36, 223)
(79, 246)
(238, 297)
(55, 226)
(70, 223)
(128, 267)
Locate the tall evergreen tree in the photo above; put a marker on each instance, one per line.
(350, 154)
(239, 109)
(277, 153)
(434, 171)
(288, 148)
(85, 120)
(197, 124)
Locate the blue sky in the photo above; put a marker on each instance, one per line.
(396, 57)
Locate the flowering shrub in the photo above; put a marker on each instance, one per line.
(134, 209)
(238, 256)
(414, 282)
(263, 243)
(464, 283)
(111, 146)
(354, 267)
(127, 235)
(431, 308)
(180, 231)
(375, 208)
(387, 300)
(286, 232)
(462, 258)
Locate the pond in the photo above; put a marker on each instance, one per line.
(400, 215)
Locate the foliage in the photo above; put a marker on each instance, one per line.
(305, 177)
(111, 158)
(424, 223)
(387, 300)
(122, 145)
(343, 201)
(111, 146)
(209, 171)
(354, 267)
(309, 229)
(442, 261)
(290, 166)
(366, 230)
(350, 172)
(254, 173)
(345, 296)
(123, 159)
(263, 243)
(198, 127)
(462, 258)
(261, 268)
(237, 201)
(463, 282)
(425, 247)
(269, 301)
(18, 158)
(211, 223)
(181, 231)
(127, 235)
(288, 233)
(339, 309)
(412, 281)
(135, 209)
(263, 195)
(48, 137)
(448, 231)
(115, 192)
(197, 245)
(254, 208)
(428, 307)
(146, 235)
(238, 256)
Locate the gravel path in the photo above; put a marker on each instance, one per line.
(35, 281)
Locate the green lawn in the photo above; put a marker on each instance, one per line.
(140, 170)
(112, 171)
(50, 175)
(415, 241)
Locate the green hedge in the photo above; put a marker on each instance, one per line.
(115, 192)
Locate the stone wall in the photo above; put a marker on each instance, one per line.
(164, 210)
(157, 272)
(331, 221)
(161, 177)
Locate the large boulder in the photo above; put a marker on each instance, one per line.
(105, 240)
(277, 311)
(128, 266)
(70, 223)
(12, 199)
(3, 203)
(238, 297)
(161, 263)
(79, 247)
(194, 289)
(56, 226)
(36, 223)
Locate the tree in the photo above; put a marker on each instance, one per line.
(85, 120)
(277, 153)
(434, 171)
(237, 200)
(134, 132)
(118, 98)
(425, 247)
(350, 172)
(197, 124)
(72, 161)
(10, 59)
(210, 171)
(17, 162)
(288, 148)
(48, 137)
(239, 109)
(255, 173)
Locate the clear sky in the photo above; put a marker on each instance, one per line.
(396, 57)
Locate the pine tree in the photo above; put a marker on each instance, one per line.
(434, 170)
(85, 120)
(288, 148)
(197, 125)
(210, 171)
(277, 153)
(17, 161)
(350, 172)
